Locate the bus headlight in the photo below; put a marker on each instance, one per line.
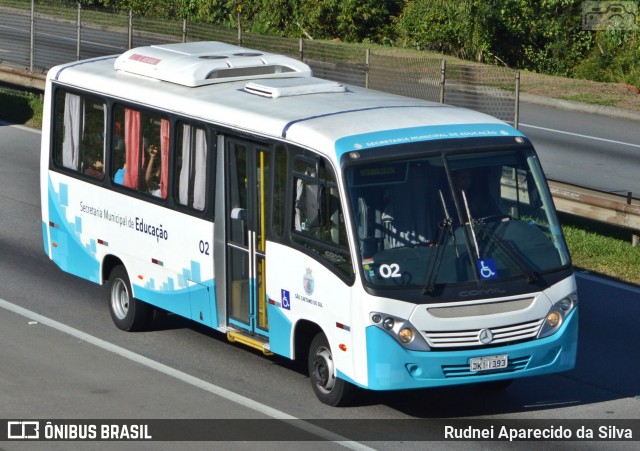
(557, 315)
(405, 335)
(553, 319)
(401, 330)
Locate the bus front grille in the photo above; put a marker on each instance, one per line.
(471, 338)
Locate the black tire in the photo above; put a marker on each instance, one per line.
(127, 313)
(328, 388)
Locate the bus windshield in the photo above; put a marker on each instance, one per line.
(454, 219)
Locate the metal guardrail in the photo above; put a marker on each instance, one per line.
(22, 78)
(610, 208)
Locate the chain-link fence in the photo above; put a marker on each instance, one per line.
(38, 35)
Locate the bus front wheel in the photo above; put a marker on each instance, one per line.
(328, 388)
(128, 313)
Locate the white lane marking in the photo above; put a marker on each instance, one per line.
(21, 127)
(581, 136)
(24, 30)
(184, 377)
(82, 41)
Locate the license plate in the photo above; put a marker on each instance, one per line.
(492, 362)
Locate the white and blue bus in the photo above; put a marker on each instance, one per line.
(390, 242)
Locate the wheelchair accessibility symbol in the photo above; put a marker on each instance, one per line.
(487, 268)
(285, 299)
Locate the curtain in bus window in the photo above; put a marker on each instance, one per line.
(165, 127)
(72, 123)
(194, 167)
(183, 190)
(104, 134)
(200, 176)
(132, 147)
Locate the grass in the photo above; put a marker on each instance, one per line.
(594, 247)
(608, 94)
(591, 98)
(601, 248)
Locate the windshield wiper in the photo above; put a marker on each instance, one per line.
(508, 250)
(471, 223)
(446, 227)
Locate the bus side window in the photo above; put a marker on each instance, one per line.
(318, 221)
(191, 166)
(142, 163)
(80, 131)
(155, 155)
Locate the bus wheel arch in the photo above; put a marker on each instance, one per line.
(127, 312)
(304, 333)
(108, 263)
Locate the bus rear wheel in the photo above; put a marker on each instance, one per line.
(127, 313)
(328, 388)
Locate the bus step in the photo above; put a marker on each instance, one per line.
(239, 337)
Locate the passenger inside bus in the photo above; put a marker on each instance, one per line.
(152, 173)
(95, 169)
(92, 162)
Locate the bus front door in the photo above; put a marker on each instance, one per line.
(247, 169)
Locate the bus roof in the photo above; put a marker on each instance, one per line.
(271, 95)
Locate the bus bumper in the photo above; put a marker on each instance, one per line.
(392, 367)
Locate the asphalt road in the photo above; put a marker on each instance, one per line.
(62, 357)
(584, 149)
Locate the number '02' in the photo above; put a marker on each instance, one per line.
(204, 247)
(392, 270)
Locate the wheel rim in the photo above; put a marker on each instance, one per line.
(119, 299)
(323, 370)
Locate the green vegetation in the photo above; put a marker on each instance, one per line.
(542, 37)
(602, 249)
(20, 107)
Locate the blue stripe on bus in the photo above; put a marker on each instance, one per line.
(80, 63)
(335, 113)
(423, 133)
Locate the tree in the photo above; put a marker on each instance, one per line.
(542, 35)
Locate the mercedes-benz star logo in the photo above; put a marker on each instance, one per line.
(485, 336)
